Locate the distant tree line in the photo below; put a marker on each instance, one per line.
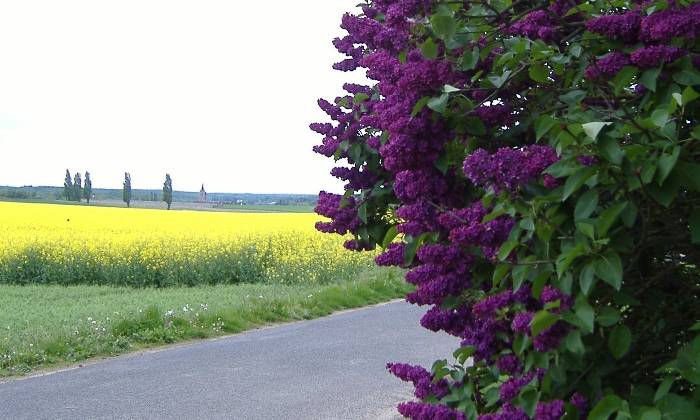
(75, 188)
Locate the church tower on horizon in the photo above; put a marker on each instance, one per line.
(202, 195)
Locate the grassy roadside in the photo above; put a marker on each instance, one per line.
(44, 326)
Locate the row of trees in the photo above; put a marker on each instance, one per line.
(167, 190)
(74, 189)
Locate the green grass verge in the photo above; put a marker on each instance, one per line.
(45, 326)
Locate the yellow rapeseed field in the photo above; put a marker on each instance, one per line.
(67, 244)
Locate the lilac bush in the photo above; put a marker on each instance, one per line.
(534, 166)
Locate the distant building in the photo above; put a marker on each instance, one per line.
(202, 195)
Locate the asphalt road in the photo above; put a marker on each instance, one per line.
(328, 368)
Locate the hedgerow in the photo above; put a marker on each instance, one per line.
(534, 164)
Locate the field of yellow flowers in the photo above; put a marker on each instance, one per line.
(69, 245)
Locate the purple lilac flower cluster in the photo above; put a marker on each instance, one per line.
(424, 411)
(422, 380)
(553, 410)
(508, 168)
(653, 30)
(343, 217)
(607, 66)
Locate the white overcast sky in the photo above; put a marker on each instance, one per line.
(218, 92)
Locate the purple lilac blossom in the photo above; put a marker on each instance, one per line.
(623, 26)
(607, 66)
(655, 55)
(424, 411)
(551, 337)
(509, 364)
(392, 256)
(421, 379)
(508, 168)
(552, 294)
(664, 25)
(587, 160)
(553, 410)
(536, 25)
(343, 218)
(507, 412)
(521, 322)
(511, 388)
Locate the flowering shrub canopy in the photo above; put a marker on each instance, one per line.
(534, 165)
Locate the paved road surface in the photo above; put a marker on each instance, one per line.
(329, 368)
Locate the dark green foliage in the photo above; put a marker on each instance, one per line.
(168, 190)
(68, 187)
(126, 191)
(77, 192)
(87, 187)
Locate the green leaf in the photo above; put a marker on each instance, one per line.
(528, 401)
(539, 73)
(474, 125)
(605, 407)
(587, 278)
(666, 164)
(650, 414)
(623, 78)
(695, 226)
(611, 151)
(675, 407)
(586, 228)
(469, 59)
(409, 252)
(389, 237)
(499, 272)
(572, 98)
(439, 103)
(586, 205)
(619, 341)
(429, 49)
(608, 316)
(506, 249)
(592, 129)
(576, 180)
(574, 343)
(687, 77)
(608, 217)
(463, 353)
(678, 98)
(565, 259)
(499, 81)
(659, 117)
(541, 321)
(689, 95)
(663, 388)
(418, 107)
(519, 275)
(362, 212)
(649, 77)
(444, 27)
(543, 125)
(586, 314)
(450, 89)
(609, 268)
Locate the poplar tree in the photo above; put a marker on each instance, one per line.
(77, 187)
(168, 190)
(87, 187)
(68, 186)
(127, 189)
